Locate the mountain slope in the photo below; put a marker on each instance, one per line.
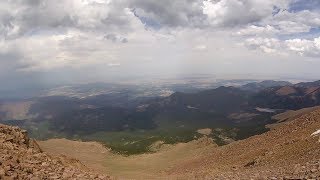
(21, 158)
(286, 151)
(292, 115)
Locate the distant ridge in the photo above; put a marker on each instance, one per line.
(258, 86)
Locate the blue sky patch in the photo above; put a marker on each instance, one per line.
(300, 5)
(313, 33)
(148, 22)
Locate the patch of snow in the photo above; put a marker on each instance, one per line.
(316, 133)
(267, 110)
(191, 107)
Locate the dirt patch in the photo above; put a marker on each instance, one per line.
(15, 110)
(206, 131)
(286, 90)
(92, 154)
(242, 116)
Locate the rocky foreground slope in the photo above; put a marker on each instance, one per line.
(21, 158)
(289, 151)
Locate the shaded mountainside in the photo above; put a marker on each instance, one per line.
(308, 84)
(258, 86)
(288, 97)
(222, 100)
(22, 158)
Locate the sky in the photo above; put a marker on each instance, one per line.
(63, 41)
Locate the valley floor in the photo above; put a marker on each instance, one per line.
(144, 166)
(287, 151)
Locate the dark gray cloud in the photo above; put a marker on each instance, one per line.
(170, 13)
(116, 38)
(114, 16)
(32, 15)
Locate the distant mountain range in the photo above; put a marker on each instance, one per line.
(239, 112)
(289, 96)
